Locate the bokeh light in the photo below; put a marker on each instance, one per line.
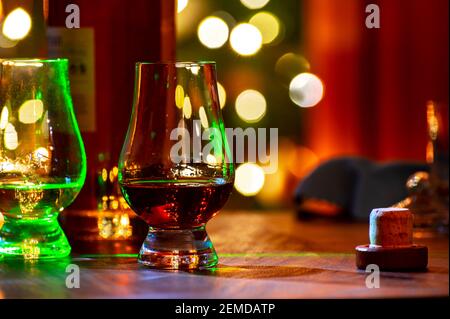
(187, 107)
(254, 4)
(188, 20)
(10, 137)
(251, 106)
(7, 166)
(31, 111)
(181, 5)
(17, 24)
(213, 32)
(267, 24)
(5, 42)
(179, 96)
(222, 95)
(306, 90)
(203, 117)
(194, 69)
(249, 179)
(211, 159)
(290, 65)
(104, 174)
(4, 118)
(225, 16)
(301, 161)
(246, 39)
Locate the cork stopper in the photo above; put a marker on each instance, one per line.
(391, 227)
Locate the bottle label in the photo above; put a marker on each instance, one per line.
(78, 46)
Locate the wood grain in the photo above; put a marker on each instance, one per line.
(262, 255)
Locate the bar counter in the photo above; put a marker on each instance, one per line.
(262, 255)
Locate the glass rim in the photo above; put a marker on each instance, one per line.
(33, 60)
(177, 63)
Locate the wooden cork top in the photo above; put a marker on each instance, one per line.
(391, 242)
(391, 227)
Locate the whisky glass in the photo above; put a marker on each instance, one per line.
(175, 169)
(42, 157)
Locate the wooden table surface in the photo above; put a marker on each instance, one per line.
(262, 255)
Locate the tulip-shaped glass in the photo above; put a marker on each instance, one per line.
(42, 157)
(175, 169)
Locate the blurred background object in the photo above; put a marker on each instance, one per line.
(114, 35)
(22, 29)
(330, 85)
(428, 192)
(351, 187)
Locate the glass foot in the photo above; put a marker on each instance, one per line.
(178, 249)
(33, 239)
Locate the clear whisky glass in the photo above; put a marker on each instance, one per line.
(42, 157)
(175, 170)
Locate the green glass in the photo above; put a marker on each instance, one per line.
(42, 157)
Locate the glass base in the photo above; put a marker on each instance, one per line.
(181, 249)
(33, 239)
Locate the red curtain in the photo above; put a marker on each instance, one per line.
(377, 81)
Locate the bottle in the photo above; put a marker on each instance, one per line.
(103, 40)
